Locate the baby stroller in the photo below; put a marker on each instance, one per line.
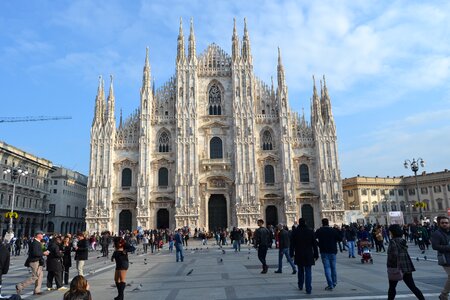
(364, 251)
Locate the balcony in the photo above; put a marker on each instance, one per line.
(215, 164)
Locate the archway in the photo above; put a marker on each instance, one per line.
(271, 215)
(308, 215)
(217, 212)
(62, 228)
(162, 219)
(50, 227)
(125, 222)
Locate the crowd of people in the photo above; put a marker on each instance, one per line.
(300, 245)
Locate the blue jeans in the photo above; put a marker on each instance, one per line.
(237, 245)
(281, 253)
(179, 252)
(351, 248)
(329, 266)
(304, 276)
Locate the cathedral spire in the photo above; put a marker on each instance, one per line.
(111, 102)
(280, 71)
(191, 50)
(246, 50)
(99, 102)
(316, 115)
(146, 76)
(120, 120)
(181, 55)
(235, 42)
(326, 103)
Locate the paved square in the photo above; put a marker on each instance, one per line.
(237, 276)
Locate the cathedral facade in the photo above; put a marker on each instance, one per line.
(213, 147)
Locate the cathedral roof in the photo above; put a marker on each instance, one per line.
(214, 61)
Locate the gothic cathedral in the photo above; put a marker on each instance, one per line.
(213, 147)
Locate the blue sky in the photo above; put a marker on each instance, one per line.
(387, 65)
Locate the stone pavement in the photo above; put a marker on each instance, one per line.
(237, 276)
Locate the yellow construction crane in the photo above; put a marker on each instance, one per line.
(31, 119)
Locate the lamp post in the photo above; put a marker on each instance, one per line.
(15, 174)
(414, 165)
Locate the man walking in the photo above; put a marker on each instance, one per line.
(236, 239)
(262, 241)
(328, 238)
(440, 241)
(81, 252)
(179, 246)
(283, 249)
(35, 261)
(350, 236)
(305, 254)
(4, 262)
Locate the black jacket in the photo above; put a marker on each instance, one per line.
(54, 258)
(305, 246)
(440, 242)
(284, 242)
(67, 257)
(82, 252)
(4, 259)
(328, 237)
(35, 252)
(262, 237)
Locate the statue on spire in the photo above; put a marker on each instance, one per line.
(191, 50)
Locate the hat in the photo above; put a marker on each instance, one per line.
(38, 232)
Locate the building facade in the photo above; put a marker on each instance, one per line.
(375, 197)
(67, 201)
(31, 191)
(213, 147)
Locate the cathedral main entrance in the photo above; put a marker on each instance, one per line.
(162, 219)
(217, 212)
(125, 222)
(308, 215)
(271, 215)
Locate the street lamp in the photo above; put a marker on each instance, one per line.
(414, 165)
(15, 174)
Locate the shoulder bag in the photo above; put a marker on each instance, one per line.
(395, 274)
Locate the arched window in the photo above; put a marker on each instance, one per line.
(304, 173)
(269, 175)
(215, 100)
(215, 148)
(267, 140)
(126, 177)
(163, 177)
(164, 141)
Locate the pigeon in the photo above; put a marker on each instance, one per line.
(91, 272)
(425, 257)
(223, 251)
(138, 288)
(190, 272)
(131, 262)
(221, 260)
(417, 258)
(248, 257)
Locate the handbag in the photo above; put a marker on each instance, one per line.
(395, 274)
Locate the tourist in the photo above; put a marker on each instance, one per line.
(35, 261)
(440, 241)
(305, 254)
(145, 243)
(350, 236)
(79, 289)
(170, 238)
(283, 249)
(81, 252)
(120, 255)
(54, 264)
(4, 262)
(67, 258)
(179, 245)
(328, 239)
(398, 257)
(262, 242)
(104, 243)
(235, 237)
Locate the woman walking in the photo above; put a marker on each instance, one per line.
(120, 255)
(398, 257)
(67, 258)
